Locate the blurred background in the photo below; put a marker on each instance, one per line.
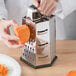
(66, 29)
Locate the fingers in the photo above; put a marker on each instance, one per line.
(6, 33)
(11, 23)
(12, 45)
(47, 7)
(10, 40)
(35, 3)
(9, 37)
(50, 12)
(42, 5)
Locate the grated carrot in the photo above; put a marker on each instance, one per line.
(3, 70)
(72, 73)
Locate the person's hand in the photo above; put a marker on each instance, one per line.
(46, 7)
(10, 40)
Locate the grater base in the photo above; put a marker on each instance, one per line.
(40, 66)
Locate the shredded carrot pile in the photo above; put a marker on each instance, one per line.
(72, 73)
(3, 70)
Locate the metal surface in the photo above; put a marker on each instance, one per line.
(41, 48)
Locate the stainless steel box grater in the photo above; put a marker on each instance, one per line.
(40, 50)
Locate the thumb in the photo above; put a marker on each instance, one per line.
(10, 23)
(13, 22)
(35, 3)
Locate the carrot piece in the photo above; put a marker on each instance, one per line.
(3, 70)
(72, 73)
(23, 32)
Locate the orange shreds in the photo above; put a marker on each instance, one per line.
(3, 70)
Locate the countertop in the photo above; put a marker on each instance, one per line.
(65, 50)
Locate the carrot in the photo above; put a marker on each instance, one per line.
(3, 70)
(72, 73)
(23, 32)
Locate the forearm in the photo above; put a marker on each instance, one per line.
(3, 10)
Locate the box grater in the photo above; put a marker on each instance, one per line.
(40, 50)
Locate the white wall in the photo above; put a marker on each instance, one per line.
(66, 29)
